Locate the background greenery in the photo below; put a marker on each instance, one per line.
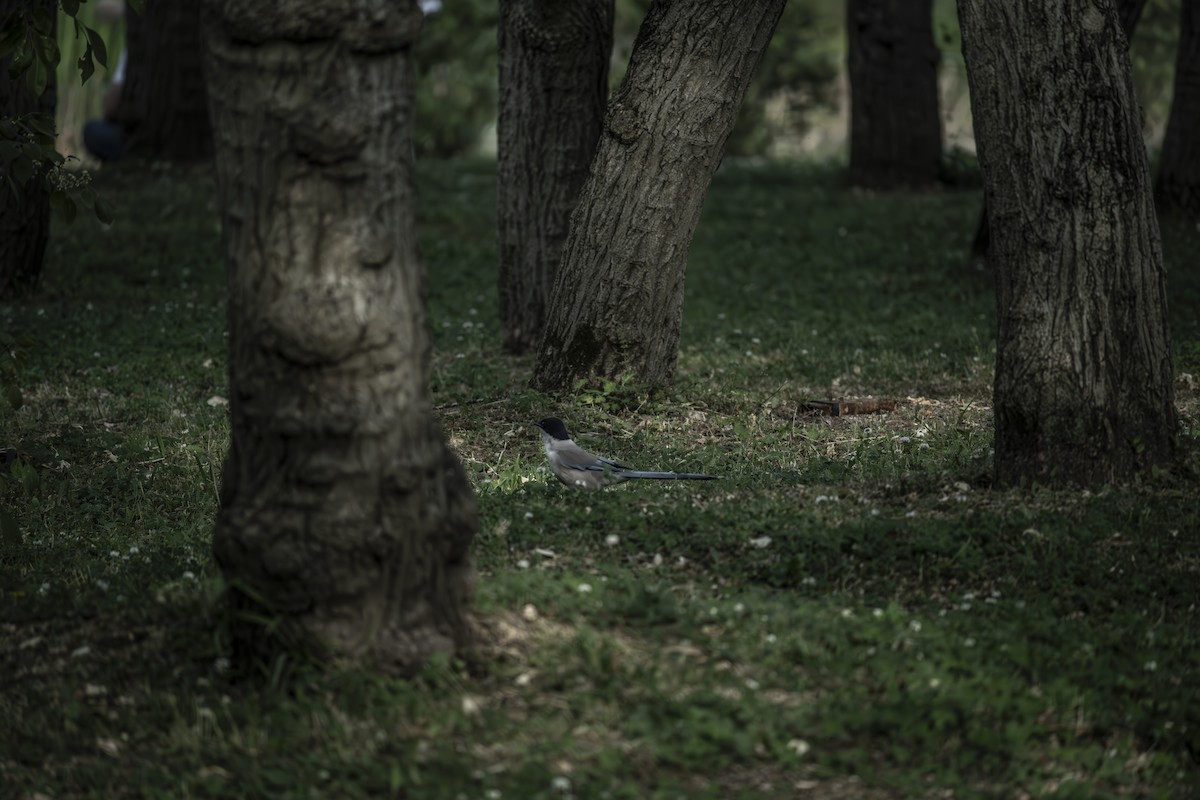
(794, 108)
(849, 612)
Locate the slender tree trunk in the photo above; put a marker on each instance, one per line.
(617, 304)
(1083, 361)
(553, 82)
(895, 130)
(1179, 170)
(1129, 11)
(163, 112)
(345, 518)
(25, 214)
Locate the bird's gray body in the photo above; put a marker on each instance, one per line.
(576, 467)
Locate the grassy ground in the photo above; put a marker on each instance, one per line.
(851, 612)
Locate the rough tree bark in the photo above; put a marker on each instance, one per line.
(1129, 11)
(617, 304)
(1179, 169)
(24, 215)
(895, 130)
(553, 83)
(344, 515)
(163, 112)
(1083, 389)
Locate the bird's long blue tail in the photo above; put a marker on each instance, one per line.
(667, 476)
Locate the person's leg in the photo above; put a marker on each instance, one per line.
(103, 139)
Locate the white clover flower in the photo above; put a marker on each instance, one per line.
(584, 588)
(612, 540)
(561, 783)
(915, 626)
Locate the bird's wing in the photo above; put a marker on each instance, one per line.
(574, 457)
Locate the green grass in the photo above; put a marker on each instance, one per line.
(851, 611)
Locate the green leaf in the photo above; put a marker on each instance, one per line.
(22, 170)
(43, 21)
(86, 68)
(38, 79)
(70, 7)
(103, 211)
(10, 531)
(13, 395)
(12, 34)
(97, 45)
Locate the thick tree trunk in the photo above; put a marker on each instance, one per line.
(1179, 170)
(617, 304)
(895, 130)
(345, 518)
(25, 215)
(1083, 388)
(163, 112)
(1129, 11)
(553, 82)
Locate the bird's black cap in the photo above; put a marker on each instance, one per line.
(554, 427)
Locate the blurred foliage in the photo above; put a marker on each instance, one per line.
(456, 78)
(1153, 54)
(30, 44)
(798, 75)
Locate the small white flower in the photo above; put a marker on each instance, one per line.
(658, 559)
(523, 563)
(528, 515)
(114, 554)
(79, 652)
(878, 612)
(561, 783)
(133, 550)
(934, 683)
(752, 684)
(1150, 666)
(43, 589)
(102, 585)
(761, 542)
(612, 540)
(968, 642)
(915, 626)
(221, 665)
(771, 638)
(584, 588)
(492, 794)
(738, 608)
(188, 575)
(798, 746)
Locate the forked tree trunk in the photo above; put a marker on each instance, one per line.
(1083, 388)
(553, 82)
(1179, 169)
(895, 130)
(1129, 11)
(617, 304)
(24, 215)
(345, 518)
(163, 110)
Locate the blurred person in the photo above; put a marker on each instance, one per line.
(104, 137)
